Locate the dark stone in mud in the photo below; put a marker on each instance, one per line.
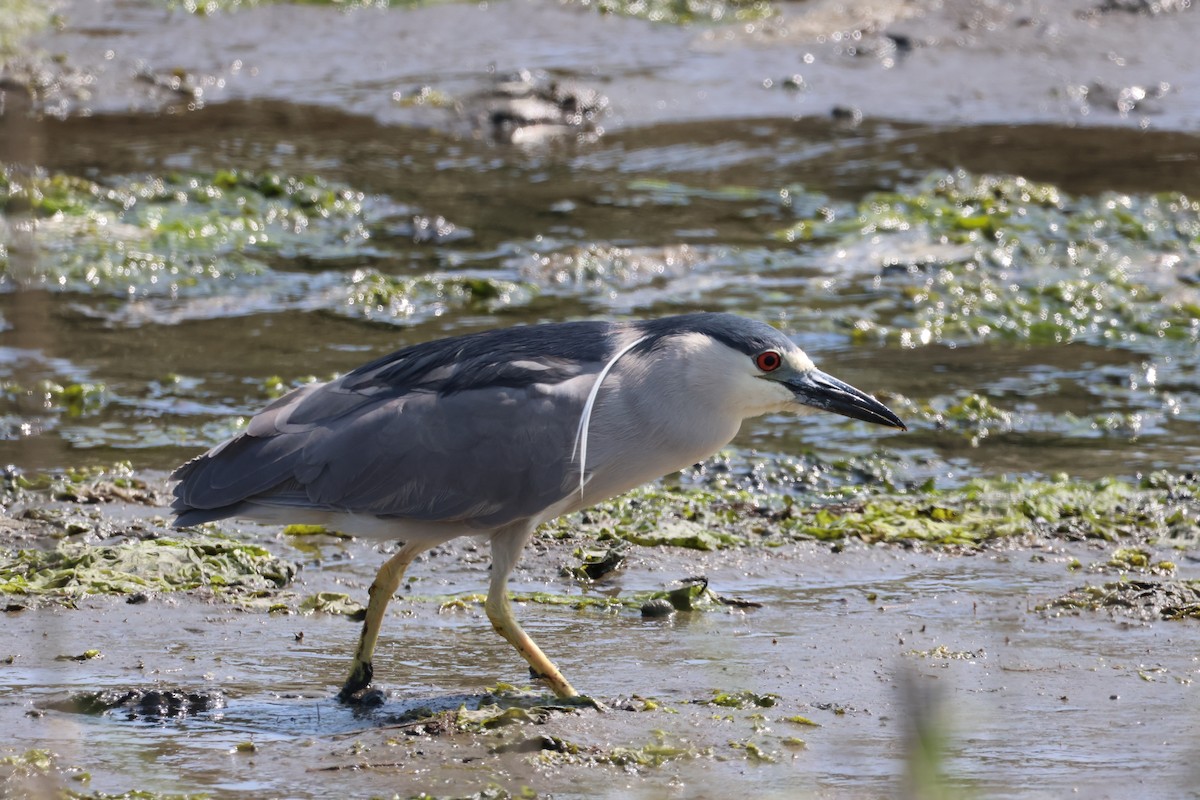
(1147, 7)
(657, 608)
(371, 698)
(596, 567)
(175, 82)
(1170, 599)
(847, 115)
(139, 704)
(31, 85)
(537, 744)
(531, 105)
(1128, 99)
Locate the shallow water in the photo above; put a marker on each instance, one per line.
(830, 653)
(622, 226)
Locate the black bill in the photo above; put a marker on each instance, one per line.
(815, 388)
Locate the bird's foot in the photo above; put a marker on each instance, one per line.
(566, 695)
(357, 688)
(369, 697)
(583, 701)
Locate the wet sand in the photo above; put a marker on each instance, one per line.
(961, 62)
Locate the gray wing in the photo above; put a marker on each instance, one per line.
(484, 454)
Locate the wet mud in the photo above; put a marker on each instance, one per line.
(815, 662)
(965, 62)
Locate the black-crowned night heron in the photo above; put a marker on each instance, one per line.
(495, 433)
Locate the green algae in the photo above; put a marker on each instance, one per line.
(1160, 509)
(274, 387)
(505, 706)
(205, 245)
(664, 192)
(972, 415)
(81, 413)
(1020, 261)
(1141, 598)
(742, 699)
(1163, 507)
(424, 96)
(989, 509)
(681, 533)
(595, 563)
(1130, 558)
(152, 434)
(461, 602)
(76, 485)
(1038, 266)
(233, 570)
(148, 235)
(375, 295)
(539, 743)
(332, 603)
(604, 267)
(798, 719)
(492, 718)
(658, 516)
(754, 753)
(31, 762)
(650, 755)
(18, 20)
(39, 773)
(945, 653)
(692, 594)
(1137, 559)
(306, 530)
(70, 399)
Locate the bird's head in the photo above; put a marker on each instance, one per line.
(769, 372)
(809, 386)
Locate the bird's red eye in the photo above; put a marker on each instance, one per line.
(768, 361)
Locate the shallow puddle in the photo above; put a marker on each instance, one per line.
(865, 643)
(594, 229)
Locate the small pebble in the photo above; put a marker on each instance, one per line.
(658, 607)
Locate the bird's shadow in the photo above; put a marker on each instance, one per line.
(466, 712)
(294, 714)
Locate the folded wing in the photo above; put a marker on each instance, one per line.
(475, 442)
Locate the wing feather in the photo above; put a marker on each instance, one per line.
(484, 454)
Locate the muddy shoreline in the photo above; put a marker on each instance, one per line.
(941, 62)
(846, 650)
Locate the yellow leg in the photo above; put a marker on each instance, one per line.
(499, 611)
(506, 548)
(386, 582)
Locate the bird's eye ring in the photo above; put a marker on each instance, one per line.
(768, 361)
